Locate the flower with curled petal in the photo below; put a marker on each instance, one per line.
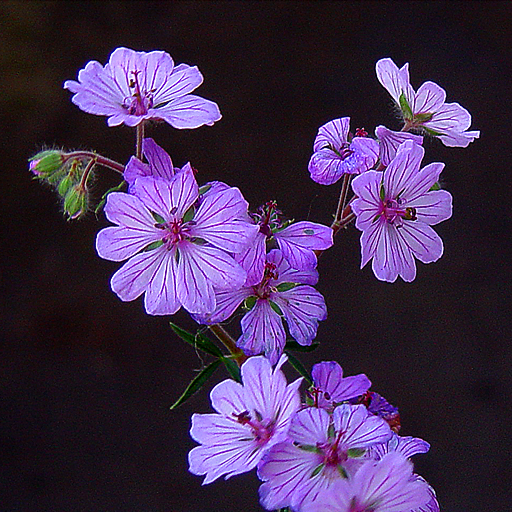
(426, 108)
(335, 156)
(251, 417)
(283, 292)
(178, 248)
(137, 86)
(395, 210)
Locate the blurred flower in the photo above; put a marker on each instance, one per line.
(250, 418)
(136, 86)
(395, 210)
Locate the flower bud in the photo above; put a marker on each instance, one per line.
(46, 163)
(76, 202)
(64, 186)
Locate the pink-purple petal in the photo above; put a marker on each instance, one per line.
(402, 168)
(433, 207)
(391, 140)
(159, 161)
(422, 240)
(180, 82)
(129, 211)
(189, 111)
(117, 243)
(428, 98)
(334, 133)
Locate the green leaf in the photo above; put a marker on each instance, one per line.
(299, 367)
(406, 109)
(284, 287)
(103, 199)
(197, 340)
(197, 383)
(295, 347)
(232, 368)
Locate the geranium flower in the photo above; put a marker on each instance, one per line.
(136, 86)
(389, 142)
(321, 450)
(330, 387)
(334, 155)
(283, 292)
(384, 486)
(426, 108)
(395, 210)
(251, 417)
(177, 253)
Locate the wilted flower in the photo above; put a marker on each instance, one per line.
(283, 292)
(334, 155)
(136, 86)
(177, 252)
(426, 108)
(250, 418)
(395, 210)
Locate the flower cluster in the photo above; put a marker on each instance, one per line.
(323, 454)
(338, 448)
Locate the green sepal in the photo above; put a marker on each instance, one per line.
(197, 383)
(342, 472)
(275, 307)
(423, 118)
(204, 189)
(159, 219)
(431, 132)
(331, 432)
(406, 109)
(232, 368)
(154, 245)
(299, 367)
(295, 347)
(197, 340)
(249, 302)
(284, 287)
(382, 192)
(103, 199)
(308, 448)
(317, 470)
(354, 453)
(189, 214)
(435, 186)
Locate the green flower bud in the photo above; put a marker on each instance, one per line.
(64, 186)
(76, 202)
(46, 163)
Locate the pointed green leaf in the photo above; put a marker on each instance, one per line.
(406, 109)
(295, 347)
(299, 367)
(232, 368)
(197, 340)
(197, 383)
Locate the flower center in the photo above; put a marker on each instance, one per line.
(343, 151)
(261, 430)
(333, 457)
(174, 231)
(140, 101)
(394, 213)
(264, 289)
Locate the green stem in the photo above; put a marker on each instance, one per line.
(85, 175)
(100, 160)
(225, 338)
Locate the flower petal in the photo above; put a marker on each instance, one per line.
(428, 99)
(422, 240)
(402, 168)
(182, 81)
(334, 133)
(394, 80)
(160, 162)
(390, 141)
(433, 207)
(189, 111)
(227, 302)
(117, 243)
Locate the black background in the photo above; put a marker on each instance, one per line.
(86, 380)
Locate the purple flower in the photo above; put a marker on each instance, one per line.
(136, 86)
(330, 387)
(283, 292)
(407, 446)
(384, 486)
(426, 108)
(334, 155)
(390, 141)
(395, 210)
(298, 242)
(177, 251)
(250, 419)
(320, 450)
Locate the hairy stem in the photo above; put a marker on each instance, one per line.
(140, 136)
(98, 159)
(225, 338)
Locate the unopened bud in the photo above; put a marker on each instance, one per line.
(76, 202)
(47, 163)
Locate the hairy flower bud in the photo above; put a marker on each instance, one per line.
(76, 202)
(46, 163)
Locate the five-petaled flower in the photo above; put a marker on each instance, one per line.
(395, 210)
(334, 155)
(136, 86)
(178, 251)
(250, 419)
(426, 108)
(283, 292)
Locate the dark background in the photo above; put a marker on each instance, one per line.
(86, 380)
